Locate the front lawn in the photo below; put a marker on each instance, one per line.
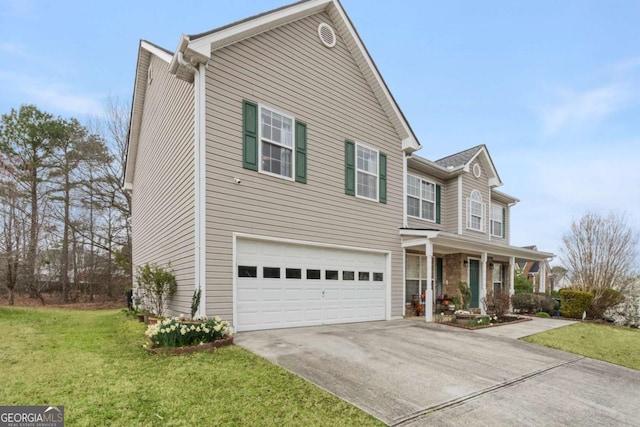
(603, 342)
(93, 363)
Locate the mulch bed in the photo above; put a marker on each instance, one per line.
(507, 320)
(210, 346)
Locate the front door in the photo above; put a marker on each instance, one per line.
(474, 282)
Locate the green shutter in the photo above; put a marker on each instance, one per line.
(250, 135)
(438, 195)
(301, 152)
(349, 168)
(504, 223)
(382, 193)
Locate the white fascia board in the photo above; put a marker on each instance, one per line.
(203, 44)
(157, 52)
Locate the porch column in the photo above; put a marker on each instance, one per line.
(543, 276)
(428, 292)
(512, 291)
(483, 282)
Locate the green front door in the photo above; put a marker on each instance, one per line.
(474, 282)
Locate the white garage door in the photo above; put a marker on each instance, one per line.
(281, 285)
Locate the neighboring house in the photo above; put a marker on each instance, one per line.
(540, 274)
(270, 165)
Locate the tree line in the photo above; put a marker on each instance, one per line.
(63, 211)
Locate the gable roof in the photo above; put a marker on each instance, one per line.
(145, 50)
(197, 48)
(459, 159)
(463, 160)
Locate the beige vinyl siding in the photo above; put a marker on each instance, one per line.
(450, 205)
(290, 70)
(163, 187)
(470, 183)
(414, 222)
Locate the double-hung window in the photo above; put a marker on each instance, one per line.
(273, 143)
(475, 211)
(497, 221)
(366, 172)
(421, 198)
(276, 143)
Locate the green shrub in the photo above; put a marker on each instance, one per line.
(606, 299)
(522, 286)
(574, 303)
(158, 285)
(176, 332)
(543, 314)
(465, 294)
(532, 303)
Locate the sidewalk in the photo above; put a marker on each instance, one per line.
(523, 329)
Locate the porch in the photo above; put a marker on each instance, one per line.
(436, 262)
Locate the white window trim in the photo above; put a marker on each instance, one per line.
(293, 145)
(377, 174)
(421, 199)
(496, 221)
(483, 207)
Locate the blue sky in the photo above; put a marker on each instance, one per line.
(552, 88)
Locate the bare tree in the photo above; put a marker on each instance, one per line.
(600, 252)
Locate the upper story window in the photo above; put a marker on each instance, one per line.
(367, 172)
(421, 198)
(276, 143)
(273, 143)
(475, 211)
(497, 220)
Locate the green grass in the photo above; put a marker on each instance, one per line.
(93, 363)
(603, 342)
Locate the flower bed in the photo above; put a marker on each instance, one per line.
(477, 321)
(187, 336)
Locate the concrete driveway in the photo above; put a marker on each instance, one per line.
(414, 374)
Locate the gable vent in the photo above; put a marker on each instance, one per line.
(327, 35)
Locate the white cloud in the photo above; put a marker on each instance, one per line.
(53, 97)
(584, 109)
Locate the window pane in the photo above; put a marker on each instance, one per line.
(413, 292)
(313, 274)
(367, 185)
(276, 159)
(428, 191)
(475, 223)
(293, 273)
(331, 274)
(497, 272)
(378, 277)
(413, 266)
(428, 210)
(413, 206)
(367, 160)
(348, 275)
(413, 186)
(271, 272)
(363, 275)
(247, 271)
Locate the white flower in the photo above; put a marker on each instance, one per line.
(217, 319)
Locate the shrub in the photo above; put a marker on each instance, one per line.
(157, 285)
(604, 300)
(533, 303)
(195, 301)
(574, 303)
(465, 295)
(175, 332)
(496, 303)
(543, 315)
(522, 286)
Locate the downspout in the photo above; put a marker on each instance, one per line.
(199, 178)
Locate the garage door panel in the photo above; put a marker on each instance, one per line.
(267, 303)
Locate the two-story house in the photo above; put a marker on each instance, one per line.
(269, 164)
